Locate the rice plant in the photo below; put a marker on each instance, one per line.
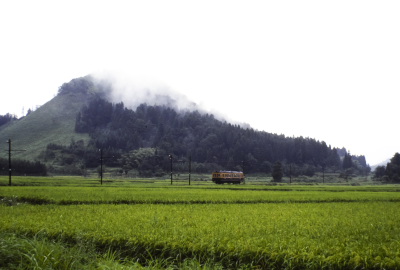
(311, 235)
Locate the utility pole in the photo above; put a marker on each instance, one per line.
(190, 167)
(290, 172)
(9, 161)
(244, 181)
(101, 166)
(170, 158)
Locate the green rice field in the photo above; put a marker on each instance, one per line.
(155, 225)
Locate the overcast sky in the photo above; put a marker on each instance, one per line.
(328, 70)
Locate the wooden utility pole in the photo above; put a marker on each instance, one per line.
(9, 161)
(190, 167)
(102, 158)
(170, 158)
(101, 166)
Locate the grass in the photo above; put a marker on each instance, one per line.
(183, 195)
(21, 251)
(153, 225)
(344, 235)
(70, 190)
(54, 122)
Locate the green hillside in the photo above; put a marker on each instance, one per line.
(145, 138)
(54, 122)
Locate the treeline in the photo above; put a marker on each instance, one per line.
(206, 140)
(23, 167)
(4, 119)
(20, 167)
(390, 172)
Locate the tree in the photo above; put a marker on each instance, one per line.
(266, 167)
(393, 168)
(207, 140)
(4, 119)
(145, 160)
(277, 172)
(395, 159)
(24, 167)
(346, 174)
(347, 161)
(114, 127)
(379, 172)
(309, 171)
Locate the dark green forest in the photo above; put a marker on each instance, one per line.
(4, 119)
(23, 167)
(390, 172)
(205, 139)
(143, 139)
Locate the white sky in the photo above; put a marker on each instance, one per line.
(328, 70)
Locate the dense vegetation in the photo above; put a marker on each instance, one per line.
(390, 172)
(23, 167)
(4, 119)
(205, 139)
(141, 140)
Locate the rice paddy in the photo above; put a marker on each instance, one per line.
(214, 227)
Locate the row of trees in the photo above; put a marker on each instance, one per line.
(390, 172)
(203, 138)
(141, 139)
(4, 119)
(206, 139)
(23, 167)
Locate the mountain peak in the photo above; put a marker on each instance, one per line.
(116, 89)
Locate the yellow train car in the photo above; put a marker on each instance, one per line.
(229, 177)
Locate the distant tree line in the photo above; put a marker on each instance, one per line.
(142, 139)
(121, 131)
(4, 119)
(390, 172)
(23, 167)
(20, 167)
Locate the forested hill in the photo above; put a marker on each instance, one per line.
(142, 138)
(206, 140)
